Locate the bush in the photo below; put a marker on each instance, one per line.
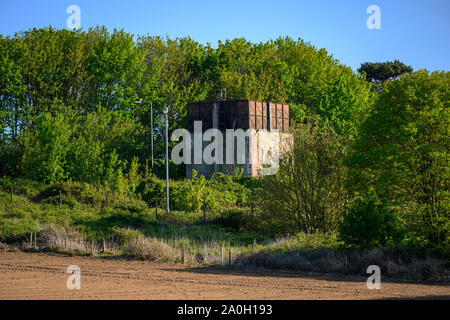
(369, 222)
(152, 189)
(17, 226)
(10, 156)
(239, 220)
(24, 187)
(45, 149)
(188, 195)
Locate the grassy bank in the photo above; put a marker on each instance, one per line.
(86, 220)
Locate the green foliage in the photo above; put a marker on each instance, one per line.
(152, 189)
(17, 225)
(45, 149)
(379, 72)
(240, 220)
(403, 152)
(92, 78)
(307, 193)
(317, 240)
(133, 175)
(188, 194)
(21, 186)
(382, 71)
(56, 148)
(370, 222)
(84, 210)
(59, 78)
(345, 104)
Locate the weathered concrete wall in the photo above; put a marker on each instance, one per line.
(262, 151)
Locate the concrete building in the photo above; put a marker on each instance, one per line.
(266, 125)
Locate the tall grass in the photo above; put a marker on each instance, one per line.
(84, 223)
(291, 253)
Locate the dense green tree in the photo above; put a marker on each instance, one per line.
(42, 72)
(92, 155)
(368, 222)
(115, 66)
(379, 72)
(319, 85)
(403, 151)
(45, 149)
(382, 71)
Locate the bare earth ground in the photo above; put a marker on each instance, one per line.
(43, 276)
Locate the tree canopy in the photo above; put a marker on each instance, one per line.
(92, 79)
(403, 150)
(382, 71)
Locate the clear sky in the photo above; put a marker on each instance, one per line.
(415, 32)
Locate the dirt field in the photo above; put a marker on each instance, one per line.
(42, 276)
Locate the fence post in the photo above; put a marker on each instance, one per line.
(92, 246)
(104, 244)
(35, 241)
(221, 254)
(182, 253)
(107, 200)
(156, 210)
(60, 197)
(12, 191)
(204, 211)
(31, 239)
(229, 256)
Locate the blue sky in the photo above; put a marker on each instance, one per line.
(415, 32)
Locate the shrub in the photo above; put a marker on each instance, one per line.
(239, 220)
(307, 193)
(188, 195)
(45, 149)
(152, 189)
(17, 225)
(21, 186)
(369, 222)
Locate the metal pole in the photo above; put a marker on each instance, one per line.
(167, 160)
(151, 128)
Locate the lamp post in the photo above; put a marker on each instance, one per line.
(166, 110)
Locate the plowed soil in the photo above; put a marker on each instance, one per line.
(43, 276)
